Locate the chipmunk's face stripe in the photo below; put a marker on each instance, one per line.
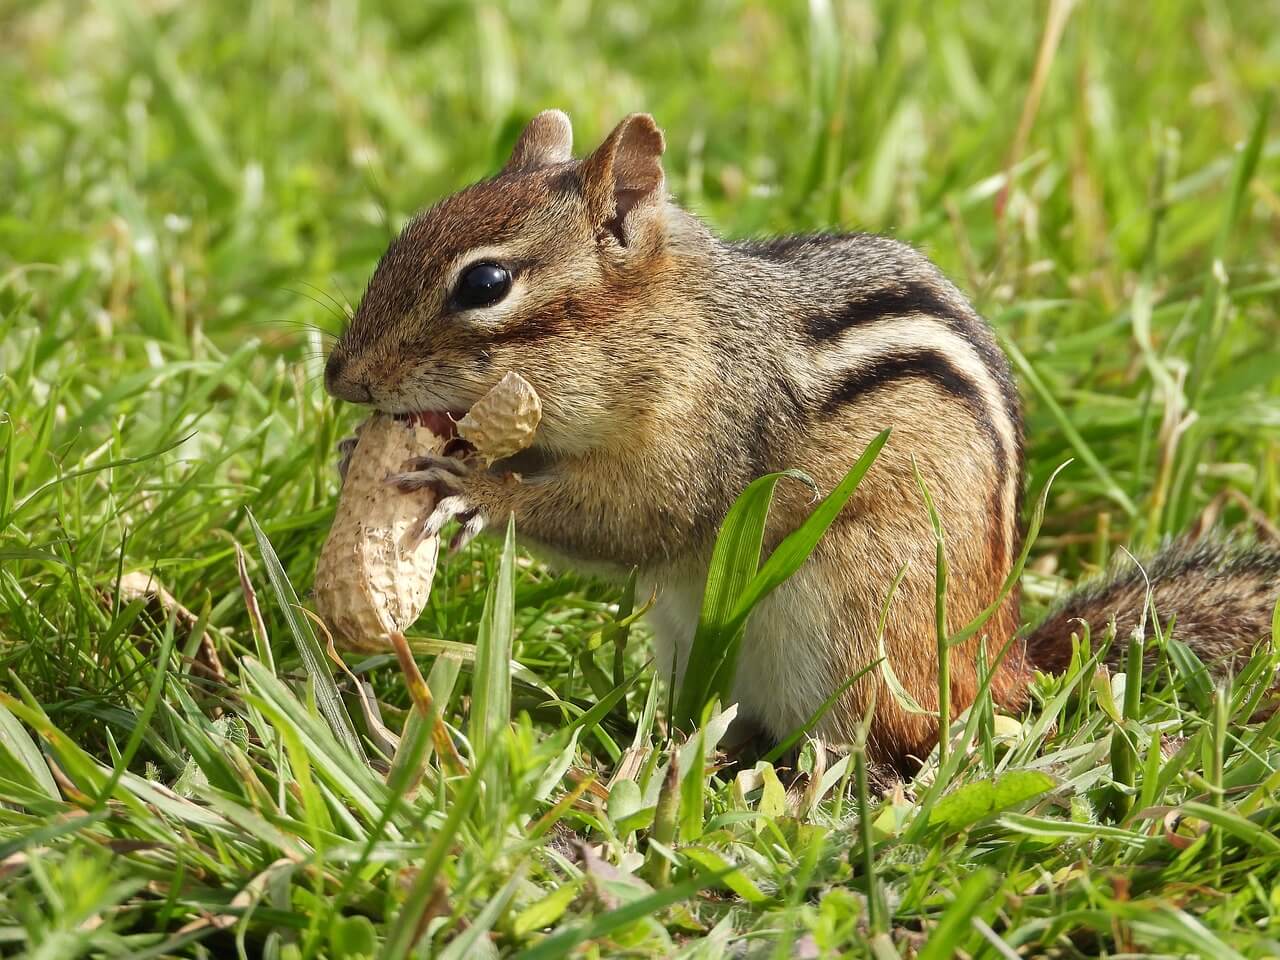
(552, 320)
(421, 267)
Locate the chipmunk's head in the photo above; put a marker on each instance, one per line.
(533, 270)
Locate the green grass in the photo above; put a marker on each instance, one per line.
(191, 195)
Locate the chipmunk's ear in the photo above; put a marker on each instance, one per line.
(622, 181)
(547, 139)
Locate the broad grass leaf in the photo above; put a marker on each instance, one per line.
(440, 682)
(693, 790)
(794, 550)
(85, 773)
(791, 554)
(545, 912)
(25, 755)
(353, 936)
(1063, 829)
(734, 561)
(730, 875)
(465, 654)
(561, 943)
(982, 798)
(555, 771)
(1191, 670)
(626, 808)
(773, 795)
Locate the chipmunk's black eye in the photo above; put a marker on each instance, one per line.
(482, 285)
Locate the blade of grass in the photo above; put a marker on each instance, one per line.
(738, 582)
(15, 740)
(734, 561)
(328, 698)
(407, 928)
(940, 619)
(142, 725)
(491, 683)
(1215, 280)
(1082, 449)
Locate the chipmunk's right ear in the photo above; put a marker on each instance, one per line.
(547, 139)
(623, 181)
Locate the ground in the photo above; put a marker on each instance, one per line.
(192, 195)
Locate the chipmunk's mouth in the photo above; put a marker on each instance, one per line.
(443, 423)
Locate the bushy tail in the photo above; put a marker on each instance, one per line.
(1222, 597)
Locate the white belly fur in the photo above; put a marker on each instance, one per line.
(782, 675)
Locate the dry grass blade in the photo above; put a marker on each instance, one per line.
(420, 694)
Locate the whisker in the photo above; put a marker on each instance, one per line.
(301, 328)
(343, 310)
(326, 307)
(296, 324)
(351, 313)
(379, 197)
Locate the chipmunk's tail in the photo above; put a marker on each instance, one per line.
(1221, 596)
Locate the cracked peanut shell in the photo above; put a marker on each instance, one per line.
(374, 573)
(504, 420)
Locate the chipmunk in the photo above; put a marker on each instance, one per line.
(675, 368)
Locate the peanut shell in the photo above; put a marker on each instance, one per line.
(504, 420)
(374, 575)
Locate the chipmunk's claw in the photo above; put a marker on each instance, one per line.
(445, 475)
(471, 524)
(346, 447)
(444, 483)
(454, 465)
(445, 510)
(447, 478)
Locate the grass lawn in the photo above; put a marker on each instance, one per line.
(192, 195)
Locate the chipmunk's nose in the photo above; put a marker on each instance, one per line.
(353, 391)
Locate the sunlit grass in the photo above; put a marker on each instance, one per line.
(191, 198)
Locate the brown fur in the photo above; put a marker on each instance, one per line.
(674, 368)
(1218, 597)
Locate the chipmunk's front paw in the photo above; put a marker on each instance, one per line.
(445, 476)
(451, 480)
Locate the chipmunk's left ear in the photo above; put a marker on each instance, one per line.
(622, 181)
(548, 139)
